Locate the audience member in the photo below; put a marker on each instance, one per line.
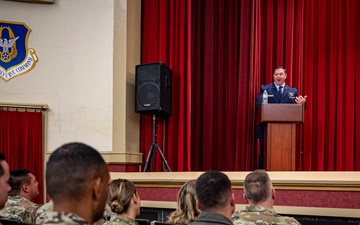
(124, 202)
(76, 180)
(260, 194)
(41, 212)
(215, 198)
(186, 211)
(24, 188)
(4, 181)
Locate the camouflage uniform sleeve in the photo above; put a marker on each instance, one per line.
(29, 215)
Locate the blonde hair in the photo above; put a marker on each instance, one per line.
(186, 211)
(121, 192)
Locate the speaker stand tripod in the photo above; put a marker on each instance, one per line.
(154, 146)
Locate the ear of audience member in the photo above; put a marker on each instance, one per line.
(186, 211)
(24, 188)
(215, 198)
(76, 181)
(124, 202)
(260, 194)
(4, 180)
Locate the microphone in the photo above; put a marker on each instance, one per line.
(292, 97)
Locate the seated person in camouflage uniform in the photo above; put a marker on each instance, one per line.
(215, 199)
(124, 202)
(24, 188)
(76, 180)
(4, 181)
(40, 214)
(186, 211)
(260, 194)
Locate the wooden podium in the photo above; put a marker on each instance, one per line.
(280, 134)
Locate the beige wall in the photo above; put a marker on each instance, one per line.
(87, 52)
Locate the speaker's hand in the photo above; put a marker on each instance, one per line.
(300, 99)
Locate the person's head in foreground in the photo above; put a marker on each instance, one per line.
(4, 180)
(76, 180)
(186, 211)
(123, 198)
(214, 193)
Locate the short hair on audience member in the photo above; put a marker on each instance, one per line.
(2, 158)
(121, 191)
(213, 190)
(70, 168)
(257, 186)
(18, 177)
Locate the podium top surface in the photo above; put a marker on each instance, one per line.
(282, 113)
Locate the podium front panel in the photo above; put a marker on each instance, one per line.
(286, 113)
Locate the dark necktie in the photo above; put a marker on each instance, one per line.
(280, 90)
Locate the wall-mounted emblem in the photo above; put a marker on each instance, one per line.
(15, 56)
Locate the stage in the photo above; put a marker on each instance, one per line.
(330, 194)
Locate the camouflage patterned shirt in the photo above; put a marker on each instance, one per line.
(120, 220)
(40, 214)
(19, 208)
(62, 218)
(259, 215)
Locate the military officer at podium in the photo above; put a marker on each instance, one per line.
(279, 93)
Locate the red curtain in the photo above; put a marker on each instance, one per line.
(233, 49)
(222, 125)
(166, 38)
(331, 72)
(21, 143)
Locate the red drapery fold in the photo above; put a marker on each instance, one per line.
(233, 49)
(331, 68)
(166, 38)
(222, 127)
(21, 143)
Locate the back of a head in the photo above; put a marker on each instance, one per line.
(257, 186)
(213, 190)
(186, 211)
(69, 170)
(18, 177)
(121, 192)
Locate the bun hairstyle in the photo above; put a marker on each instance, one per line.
(121, 192)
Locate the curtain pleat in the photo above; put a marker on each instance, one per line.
(166, 38)
(330, 71)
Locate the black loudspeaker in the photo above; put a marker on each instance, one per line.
(153, 84)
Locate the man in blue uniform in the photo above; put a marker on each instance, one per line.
(279, 93)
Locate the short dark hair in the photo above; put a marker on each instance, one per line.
(18, 177)
(280, 68)
(70, 168)
(213, 190)
(257, 186)
(2, 158)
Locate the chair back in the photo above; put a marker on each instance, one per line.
(143, 221)
(8, 221)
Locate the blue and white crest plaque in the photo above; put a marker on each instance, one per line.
(15, 57)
